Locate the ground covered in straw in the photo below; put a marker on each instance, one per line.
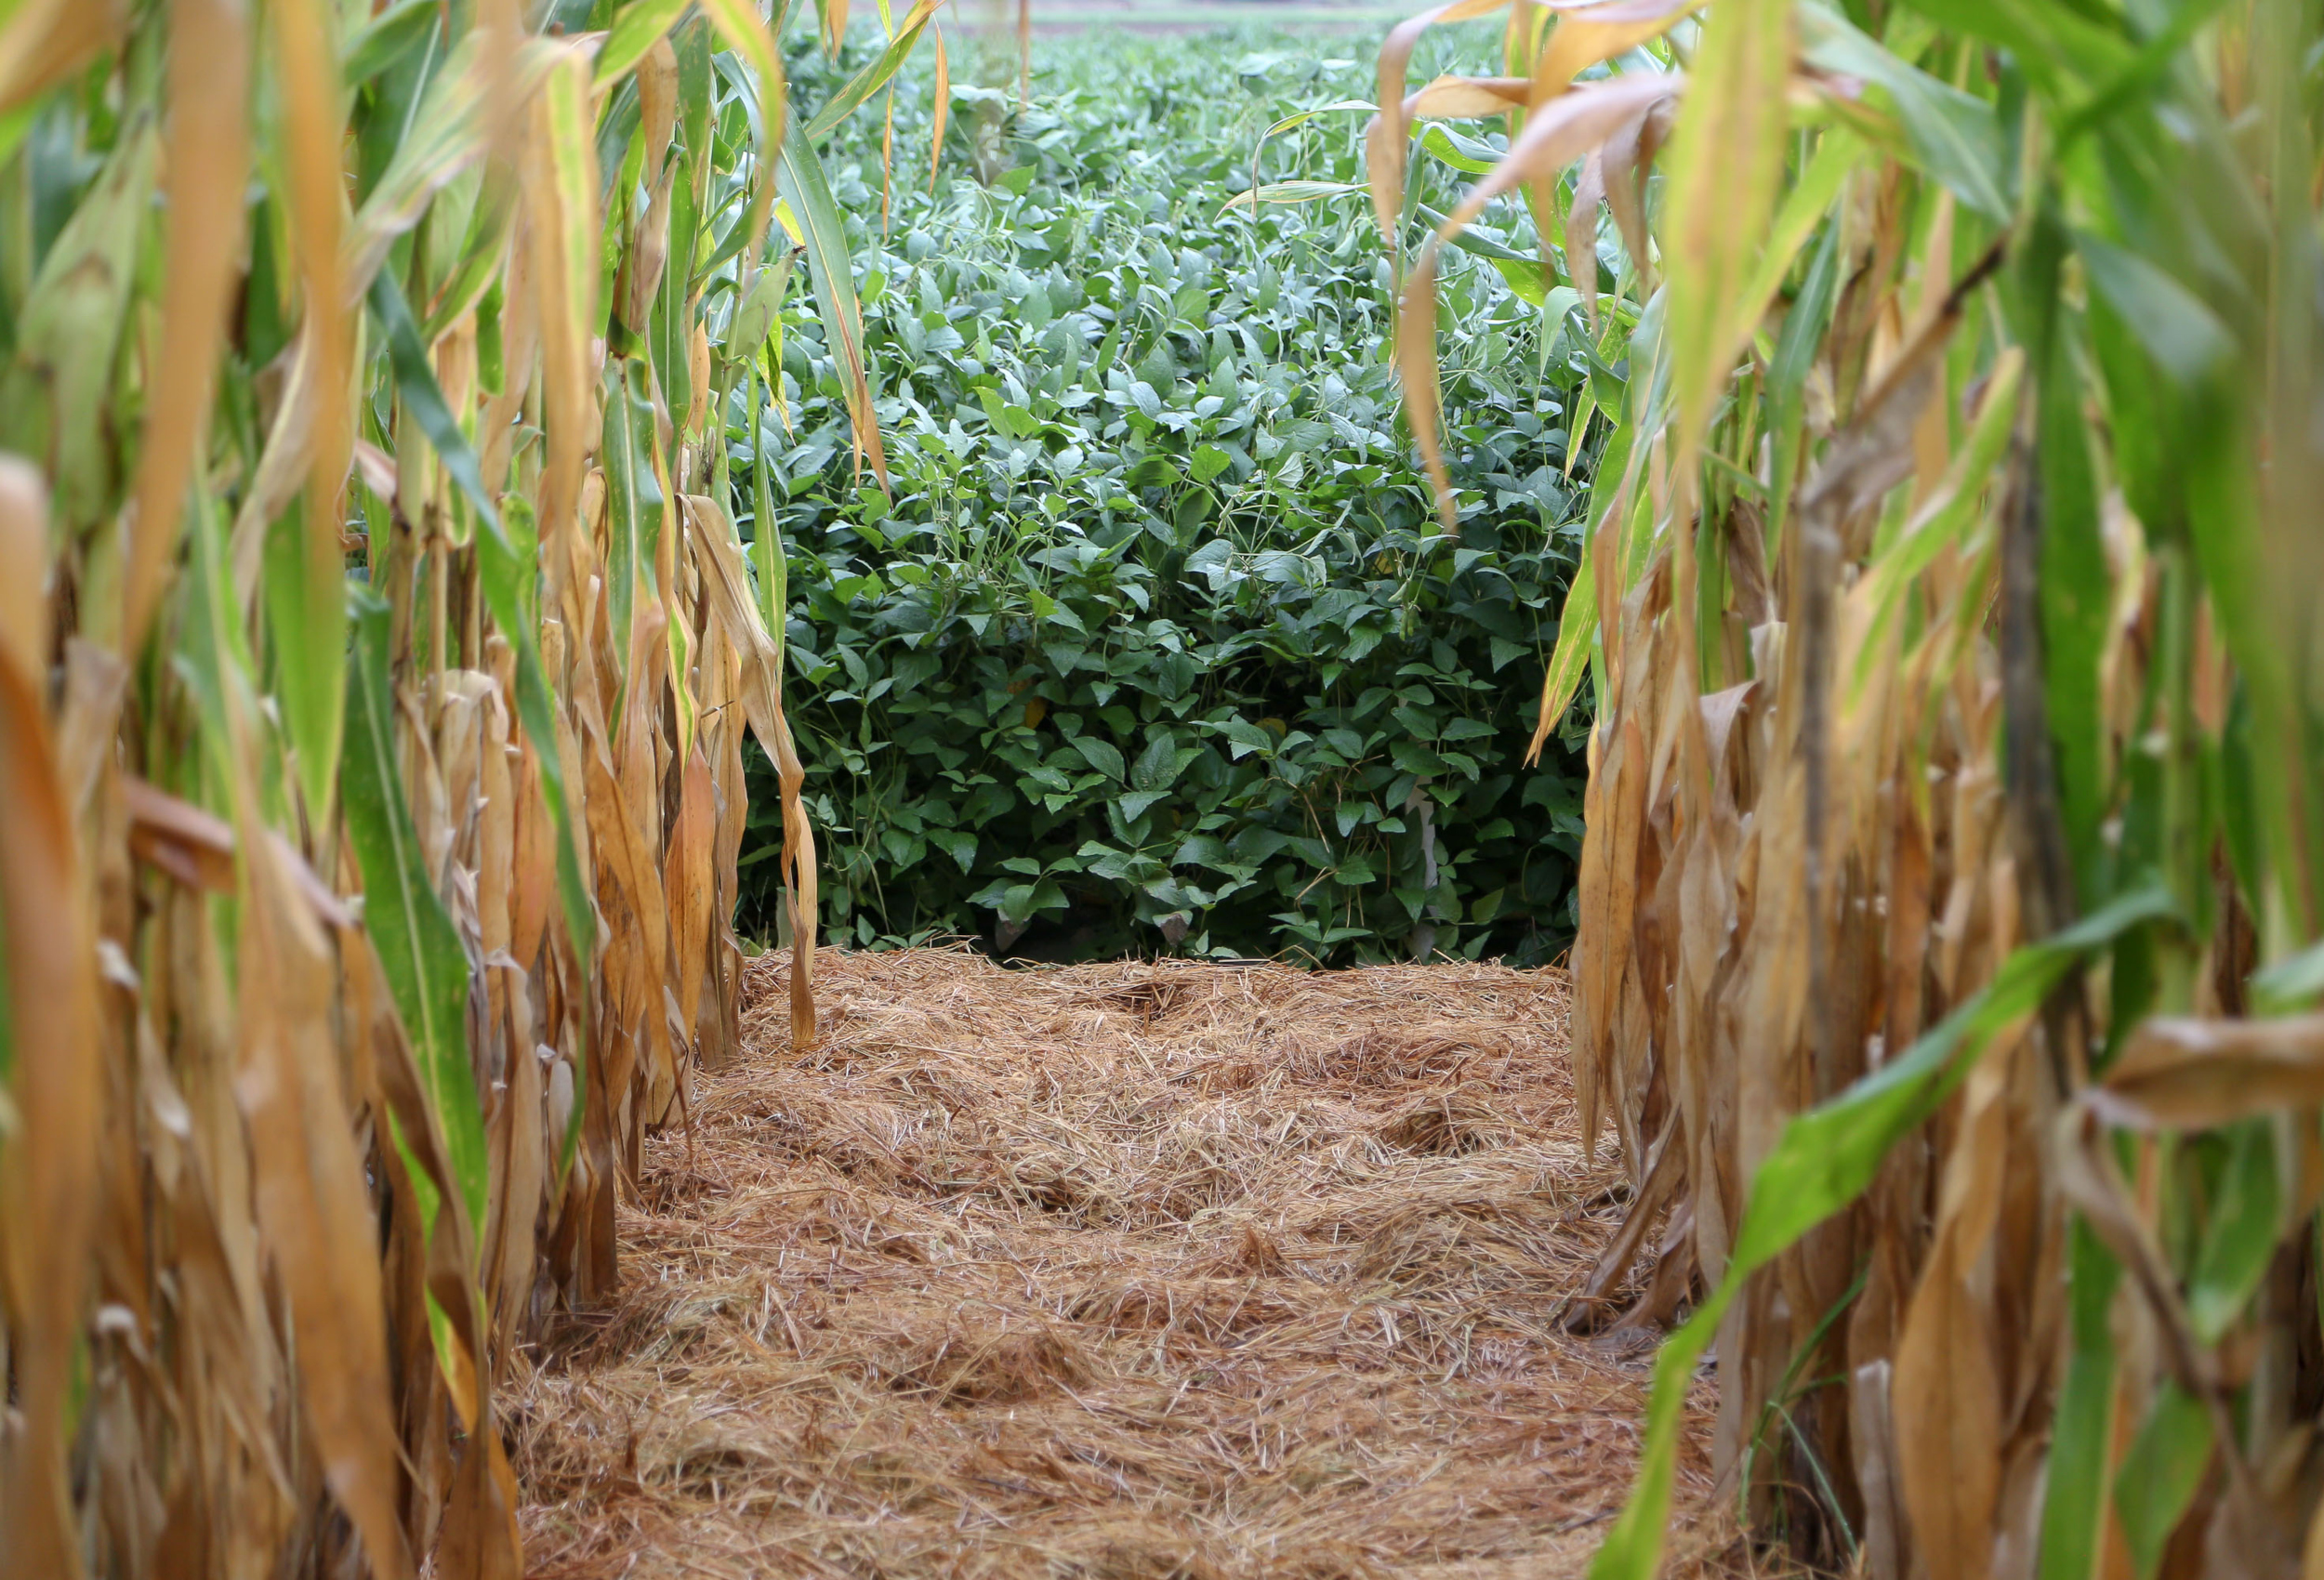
(1126, 1270)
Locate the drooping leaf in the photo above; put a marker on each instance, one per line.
(824, 235)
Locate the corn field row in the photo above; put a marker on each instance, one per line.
(1952, 886)
(378, 650)
(375, 650)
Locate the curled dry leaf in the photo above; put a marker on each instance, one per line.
(2182, 1074)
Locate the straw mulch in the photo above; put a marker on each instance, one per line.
(1125, 1270)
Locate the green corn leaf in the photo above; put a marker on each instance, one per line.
(697, 93)
(1289, 193)
(1804, 206)
(824, 235)
(2074, 577)
(1725, 165)
(637, 30)
(420, 954)
(766, 97)
(754, 320)
(1955, 138)
(873, 77)
(633, 496)
(1463, 153)
(449, 132)
(481, 254)
(2240, 1239)
(423, 396)
(309, 657)
(669, 332)
(2182, 334)
(383, 40)
(2151, 66)
(1569, 660)
(2291, 983)
(766, 535)
(1823, 1160)
(1787, 375)
(1468, 241)
(2161, 1473)
(2074, 1497)
(2057, 46)
(1300, 117)
(52, 398)
(508, 567)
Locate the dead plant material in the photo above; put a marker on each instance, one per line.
(1126, 1270)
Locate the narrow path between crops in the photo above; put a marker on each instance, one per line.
(1125, 1270)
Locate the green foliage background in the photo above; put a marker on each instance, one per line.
(1157, 645)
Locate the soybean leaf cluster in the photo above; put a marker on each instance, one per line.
(1156, 644)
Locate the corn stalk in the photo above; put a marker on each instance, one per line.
(376, 646)
(1950, 901)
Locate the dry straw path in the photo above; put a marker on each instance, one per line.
(1121, 1270)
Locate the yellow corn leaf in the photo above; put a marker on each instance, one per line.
(1586, 35)
(2182, 1074)
(209, 74)
(1719, 183)
(563, 232)
(1384, 150)
(46, 41)
(1415, 364)
(1456, 98)
(1553, 138)
(943, 113)
(1562, 132)
(729, 591)
(312, 1203)
(739, 23)
(48, 1100)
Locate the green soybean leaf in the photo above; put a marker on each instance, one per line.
(1103, 755)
